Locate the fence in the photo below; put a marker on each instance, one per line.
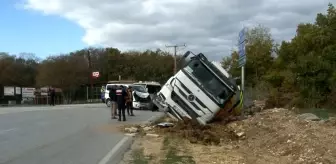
(45, 100)
(84, 95)
(79, 95)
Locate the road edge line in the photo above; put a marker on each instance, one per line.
(117, 152)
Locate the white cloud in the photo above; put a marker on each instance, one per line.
(208, 26)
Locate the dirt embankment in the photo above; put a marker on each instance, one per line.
(272, 136)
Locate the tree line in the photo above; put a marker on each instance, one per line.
(300, 72)
(71, 72)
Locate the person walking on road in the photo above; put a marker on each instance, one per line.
(102, 93)
(49, 93)
(129, 101)
(52, 96)
(113, 99)
(121, 101)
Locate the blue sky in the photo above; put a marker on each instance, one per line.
(32, 32)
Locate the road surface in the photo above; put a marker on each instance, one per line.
(67, 134)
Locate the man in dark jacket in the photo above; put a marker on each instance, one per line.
(121, 100)
(52, 96)
(49, 93)
(113, 99)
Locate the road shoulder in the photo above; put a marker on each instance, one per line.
(116, 155)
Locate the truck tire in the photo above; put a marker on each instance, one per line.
(154, 108)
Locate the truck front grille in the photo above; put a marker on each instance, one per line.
(184, 106)
(194, 103)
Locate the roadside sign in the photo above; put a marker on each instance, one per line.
(28, 92)
(18, 90)
(44, 91)
(95, 74)
(9, 91)
(242, 60)
(241, 48)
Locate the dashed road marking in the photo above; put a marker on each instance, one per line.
(7, 130)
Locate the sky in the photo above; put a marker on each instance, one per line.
(31, 32)
(47, 27)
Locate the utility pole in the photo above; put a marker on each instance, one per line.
(175, 51)
(90, 76)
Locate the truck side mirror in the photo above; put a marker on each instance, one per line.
(186, 55)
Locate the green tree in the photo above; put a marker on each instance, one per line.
(18, 70)
(307, 63)
(67, 72)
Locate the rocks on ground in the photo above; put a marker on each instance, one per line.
(134, 130)
(309, 117)
(271, 136)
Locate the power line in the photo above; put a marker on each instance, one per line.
(175, 50)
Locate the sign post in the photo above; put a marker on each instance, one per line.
(95, 74)
(242, 59)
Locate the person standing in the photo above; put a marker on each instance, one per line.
(121, 101)
(102, 93)
(113, 99)
(129, 101)
(49, 93)
(52, 96)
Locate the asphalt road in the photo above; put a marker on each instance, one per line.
(69, 134)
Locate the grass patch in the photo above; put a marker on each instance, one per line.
(166, 142)
(172, 157)
(139, 157)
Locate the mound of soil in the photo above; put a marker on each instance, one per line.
(271, 136)
(211, 134)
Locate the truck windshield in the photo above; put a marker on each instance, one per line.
(208, 81)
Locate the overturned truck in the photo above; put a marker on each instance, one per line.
(201, 91)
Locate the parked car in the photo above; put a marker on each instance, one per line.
(107, 91)
(141, 98)
(152, 87)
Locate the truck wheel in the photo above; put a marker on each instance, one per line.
(155, 108)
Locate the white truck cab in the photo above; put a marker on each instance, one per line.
(197, 92)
